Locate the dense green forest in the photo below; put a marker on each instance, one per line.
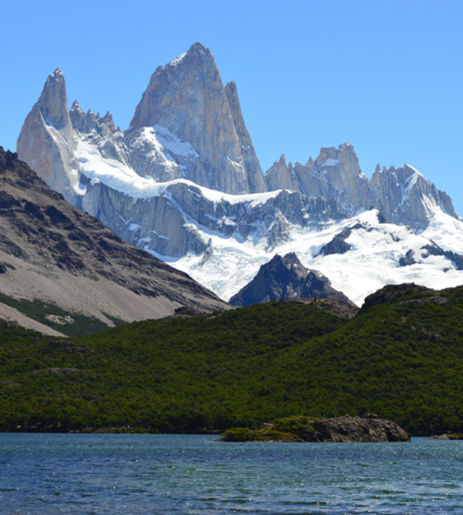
(400, 357)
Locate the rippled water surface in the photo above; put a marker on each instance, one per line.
(169, 474)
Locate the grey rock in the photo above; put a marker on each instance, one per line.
(285, 277)
(46, 141)
(283, 177)
(338, 244)
(432, 249)
(359, 429)
(63, 256)
(404, 196)
(251, 162)
(188, 98)
(408, 259)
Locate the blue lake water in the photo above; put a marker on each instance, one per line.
(178, 474)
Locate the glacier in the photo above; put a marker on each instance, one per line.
(372, 262)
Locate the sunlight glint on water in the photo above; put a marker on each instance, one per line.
(132, 474)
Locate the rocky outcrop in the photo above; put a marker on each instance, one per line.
(367, 429)
(334, 174)
(370, 428)
(52, 252)
(338, 244)
(432, 249)
(285, 277)
(393, 292)
(251, 162)
(337, 308)
(408, 259)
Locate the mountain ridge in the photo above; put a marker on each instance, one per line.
(193, 176)
(55, 253)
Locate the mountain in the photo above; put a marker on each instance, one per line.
(403, 195)
(187, 99)
(184, 183)
(65, 268)
(285, 277)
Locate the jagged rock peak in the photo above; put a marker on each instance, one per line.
(198, 60)
(187, 97)
(254, 172)
(197, 49)
(77, 115)
(285, 277)
(407, 197)
(108, 120)
(53, 100)
(76, 107)
(343, 156)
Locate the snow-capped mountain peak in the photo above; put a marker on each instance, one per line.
(184, 182)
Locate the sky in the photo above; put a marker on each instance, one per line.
(383, 75)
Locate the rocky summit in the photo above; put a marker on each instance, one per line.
(54, 255)
(183, 182)
(285, 277)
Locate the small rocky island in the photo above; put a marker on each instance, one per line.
(370, 428)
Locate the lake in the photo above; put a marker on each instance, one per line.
(193, 474)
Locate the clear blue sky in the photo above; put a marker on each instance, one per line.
(384, 75)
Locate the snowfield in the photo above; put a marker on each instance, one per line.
(372, 262)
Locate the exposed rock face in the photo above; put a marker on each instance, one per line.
(338, 244)
(187, 97)
(283, 177)
(403, 195)
(254, 172)
(46, 141)
(358, 429)
(334, 174)
(285, 277)
(432, 250)
(53, 252)
(406, 197)
(408, 259)
(187, 125)
(370, 428)
(168, 224)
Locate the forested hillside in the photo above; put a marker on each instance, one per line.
(400, 356)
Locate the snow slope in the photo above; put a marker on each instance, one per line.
(372, 262)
